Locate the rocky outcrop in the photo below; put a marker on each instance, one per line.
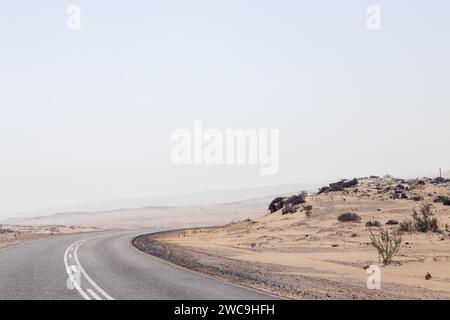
(440, 180)
(276, 204)
(339, 186)
(443, 199)
(288, 204)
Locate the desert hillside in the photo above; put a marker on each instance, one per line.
(148, 217)
(319, 246)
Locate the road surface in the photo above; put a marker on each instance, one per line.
(102, 266)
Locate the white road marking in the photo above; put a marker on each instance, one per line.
(69, 273)
(92, 292)
(74, 247)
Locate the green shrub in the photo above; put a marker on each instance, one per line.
(373, 224)
(406, 226)
(307, 209)
(387, 245)
(424, 220)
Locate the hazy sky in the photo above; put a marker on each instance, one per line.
(88, 115)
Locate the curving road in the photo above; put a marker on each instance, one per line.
(103, 266)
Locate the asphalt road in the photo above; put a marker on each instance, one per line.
(103, 266)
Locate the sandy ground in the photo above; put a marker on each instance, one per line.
(318, 257)
(17, 231)
(12, 235)
(153, 217)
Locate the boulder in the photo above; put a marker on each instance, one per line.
(289, 209)
(337, 186)
(350, 183)
(323, 189)
(399, 194)
(287, 204)
(392, 222)
(294, 200)
(439, 180)
(443, 199)
(276, 204)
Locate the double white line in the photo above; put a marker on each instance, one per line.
(87, 289)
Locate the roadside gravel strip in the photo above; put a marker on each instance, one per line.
(274, 279)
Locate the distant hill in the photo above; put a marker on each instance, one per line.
(200, 198)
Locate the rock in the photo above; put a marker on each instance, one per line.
(337, 186)
(323, 189)
(416, 197)
(443, 199)
(289, 205)
(294, 200)
(439, 180)
(399, 194)
(374, 177)
(289, 209)
(428, 276)
(276, 204)
(391, 222)
(350, 183)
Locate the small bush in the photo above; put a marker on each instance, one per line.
(424, 220)
(349, 217)
(373, 224)
(303, 194)
(307, 209)
(387, 245)
(406, 226)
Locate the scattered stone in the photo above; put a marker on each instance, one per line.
(439, 180)
(428, 276)
(392, 222)
(339, 186)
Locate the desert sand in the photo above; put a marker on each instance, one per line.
(13, 235)
(318, 257)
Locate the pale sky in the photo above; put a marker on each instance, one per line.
(88, 115)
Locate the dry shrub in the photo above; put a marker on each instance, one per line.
(349, 217)
(387, 245)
